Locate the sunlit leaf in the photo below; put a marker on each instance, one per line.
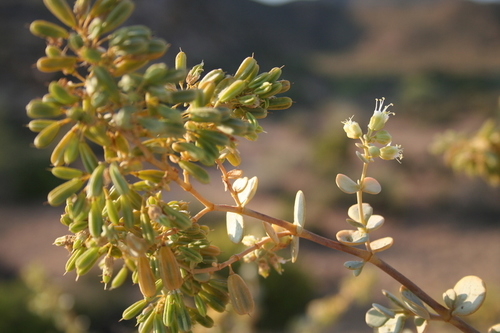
(385, 311)
(248, 192)
(393, 325)
(449, 298)
(346, 184)
(351, 237)
(371, 186)
(394, 299)
(294, 246)
(299, 211)
(421, 324)
(471, 292)
(375, 318)
(494, 329)
(353, 212)
(375, 222)
(353, 265)
(240, 184)
(381, 244)
(271, 232)
(235, 225)
(413, 303)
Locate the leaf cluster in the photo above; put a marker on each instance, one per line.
(122, 130)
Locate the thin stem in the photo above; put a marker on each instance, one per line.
(228, 185)
(363, 254)
(236, 257)
(396, 275)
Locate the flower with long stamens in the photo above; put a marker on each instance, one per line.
(380, 116)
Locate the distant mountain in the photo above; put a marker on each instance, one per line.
(225, 31)
(397, 38)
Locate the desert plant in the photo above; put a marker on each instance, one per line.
(476, 155)
(124, 136)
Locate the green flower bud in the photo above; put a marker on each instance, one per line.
(53, 51)
(380, 117)
(352, 129)
(47, 29)
(374, 151)
(156, 48)
(383, 137)
(279, 103)
(233, 90)
(62, 11)
(118, 15)
(391, 153)
(246, 69)
(194, 73)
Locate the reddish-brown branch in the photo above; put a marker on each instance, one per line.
(443, 312)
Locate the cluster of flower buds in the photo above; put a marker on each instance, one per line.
(361, 215)
(375, 135)
(476, 155)
(112, 120)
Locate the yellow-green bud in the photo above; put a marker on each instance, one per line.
(374, 151)
(53, 51)
(194, 73)
(352, 129)
(181, 60)
(54, 64)
(45, 29)
(391, 152)
(62, 11)
(120, 277)
(380, 117)
(383, 137)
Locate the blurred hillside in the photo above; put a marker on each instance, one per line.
(432, 58)
(437, 61)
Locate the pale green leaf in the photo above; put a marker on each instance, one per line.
(371, 186)
(393, 325)
(449, 298)
(235, 225)
(240, 184)
(249, 191)
(381, 244)
(375, 318)
(346, 184)
(413, 303)
(299, 211)
(494, 329)
(351, 237)
(353, 212)
(394, 299)
(354, 223)
(271, 232)
(353, 265)
(471, 292)
(385, 311)
(294, 246)
(421, 324)
(374, 222)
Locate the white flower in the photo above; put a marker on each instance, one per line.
(352, 129)
(391, 153)
(380, 117)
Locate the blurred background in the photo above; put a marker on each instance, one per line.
(438, 61)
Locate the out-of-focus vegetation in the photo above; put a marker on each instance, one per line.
(437, 61)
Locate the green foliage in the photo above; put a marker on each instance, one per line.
(123, 132)
(476, 155)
